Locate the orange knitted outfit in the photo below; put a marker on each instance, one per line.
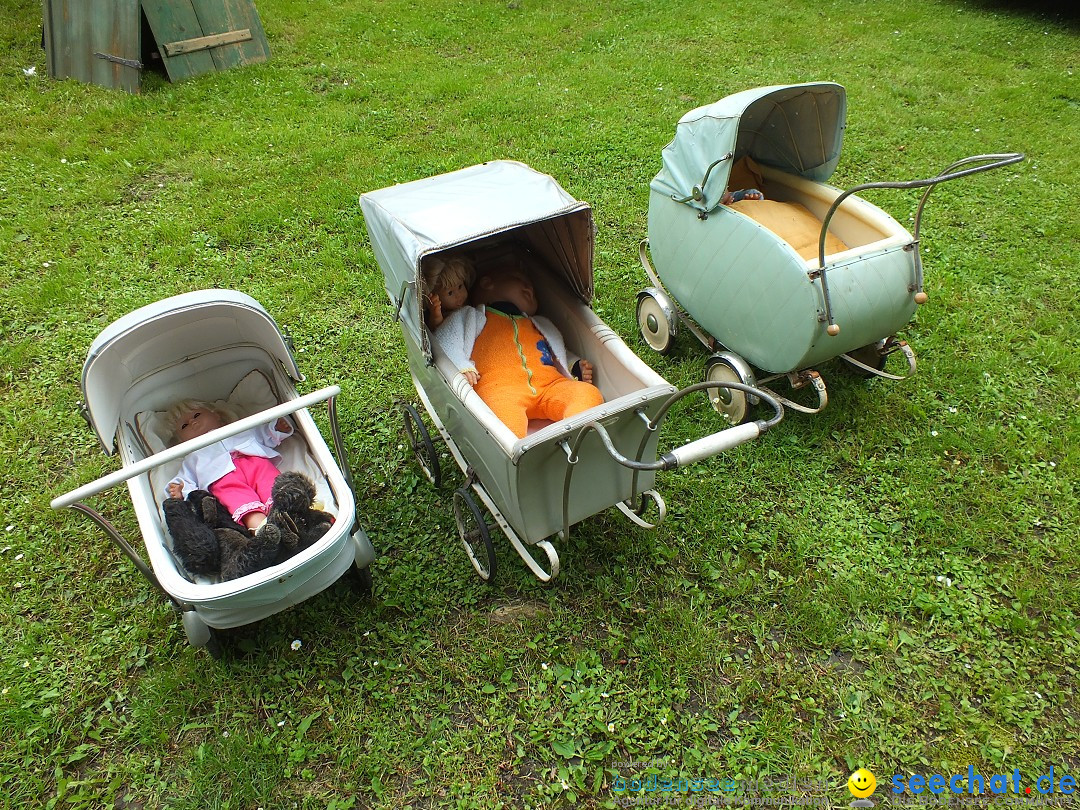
(518, 377)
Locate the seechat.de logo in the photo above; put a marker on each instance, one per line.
(862, 785)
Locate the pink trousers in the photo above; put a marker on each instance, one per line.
(247, 488)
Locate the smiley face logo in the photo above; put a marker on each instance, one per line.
(861, 783)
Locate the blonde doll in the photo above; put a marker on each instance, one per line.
(239, 471)
(446, 287)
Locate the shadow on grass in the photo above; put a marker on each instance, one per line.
(1052, 11)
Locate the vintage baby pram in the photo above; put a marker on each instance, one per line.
(808, 274)
(561, 472)
(212, 345)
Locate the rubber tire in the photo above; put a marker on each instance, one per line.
(656, 328)
(422, 446)
(465, 508)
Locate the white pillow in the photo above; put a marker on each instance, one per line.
(252, 394)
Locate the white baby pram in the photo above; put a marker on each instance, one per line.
(212, 345)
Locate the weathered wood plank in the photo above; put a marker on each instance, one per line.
(77, 29)
(230, 15)
(203, 43)
(173, 21)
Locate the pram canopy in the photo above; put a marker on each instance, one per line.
(409, 221)
(796, 128)
(164, 333)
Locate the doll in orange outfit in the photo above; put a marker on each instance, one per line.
(515, 359)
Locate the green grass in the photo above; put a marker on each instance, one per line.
(889, 584)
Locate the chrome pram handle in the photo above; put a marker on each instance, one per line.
(696, 450)
(985, 163)
(184, 448)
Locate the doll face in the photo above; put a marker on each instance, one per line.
(453, 297)
(192, 424)
(512, 285)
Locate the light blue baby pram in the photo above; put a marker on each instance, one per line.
(809, 274)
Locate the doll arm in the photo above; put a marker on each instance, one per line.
(182, 483)
(434, 307)
(274, 433)
(457, 336)
(554, 337)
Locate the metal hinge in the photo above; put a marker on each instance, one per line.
(131, 63)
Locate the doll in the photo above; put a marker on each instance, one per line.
(239, 471)
(446, 286)
(515, 359)
(740, 195)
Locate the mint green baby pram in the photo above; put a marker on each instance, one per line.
(778, 286)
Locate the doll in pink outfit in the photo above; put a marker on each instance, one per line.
(239, 471)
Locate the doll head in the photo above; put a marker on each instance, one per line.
(191, 418)
(449, 280)
(511, 284)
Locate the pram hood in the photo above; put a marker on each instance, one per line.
(407, 222)
(796, 128)
(165, 333)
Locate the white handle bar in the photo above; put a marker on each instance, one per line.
(179, 451)
(715, 443)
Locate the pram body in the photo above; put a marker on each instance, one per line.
(809, 274)
(609, 452)
(212, 345)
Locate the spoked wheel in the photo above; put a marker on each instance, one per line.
(731, 404)
(474, 534)
(422, 446)
(873, 355)
(656, 321)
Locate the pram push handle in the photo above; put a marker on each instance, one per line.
(179, 451)
(981, 163)
(687, 454)
(699, 448)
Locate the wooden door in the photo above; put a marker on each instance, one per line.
(201, 36)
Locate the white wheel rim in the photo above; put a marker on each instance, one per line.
(654, 324)
(728, 402)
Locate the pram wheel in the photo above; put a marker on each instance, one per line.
(360, 579)
(656, 319)
(422, 446)
(200, 634)
(731, 404)
(474, 534)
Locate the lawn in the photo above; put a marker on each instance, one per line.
(889, 584)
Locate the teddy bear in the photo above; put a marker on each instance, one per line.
(208, 542)
(293, 511)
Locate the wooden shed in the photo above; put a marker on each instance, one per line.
(110, 42)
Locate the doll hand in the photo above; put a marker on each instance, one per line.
(435, 316)
(472, 376)
(175, 490)
(585, 367)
